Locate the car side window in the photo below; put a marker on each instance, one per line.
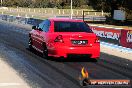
(41, 25)
(46, 26)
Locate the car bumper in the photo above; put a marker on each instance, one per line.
(65, 51)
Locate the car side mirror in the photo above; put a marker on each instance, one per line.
(40, 29)
(34, 27)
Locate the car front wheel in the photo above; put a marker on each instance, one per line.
(45, 52)
(30, 44)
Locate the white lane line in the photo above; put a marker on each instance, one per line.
(108, 27)
(118, 28)
(123, 49)
(101, 26)
(9, 84)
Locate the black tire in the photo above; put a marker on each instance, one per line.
(86, 82)
(30, 44)
(45, 52)
(95, 60)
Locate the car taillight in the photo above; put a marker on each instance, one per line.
(59, 39)
(97, 40)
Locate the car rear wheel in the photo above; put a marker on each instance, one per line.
(45, 52)
(95, 59)
(30, 44)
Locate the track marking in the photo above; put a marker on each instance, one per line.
(9, 84)
(121, 48)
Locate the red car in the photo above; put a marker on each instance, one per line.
(64, 37)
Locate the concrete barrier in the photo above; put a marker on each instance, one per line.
(126, 38)
(110, 35)
(118, 36)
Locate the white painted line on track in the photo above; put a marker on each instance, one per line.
(118, 28)
(113, 46)
(108, 27)
(9, 84)
(101, 26)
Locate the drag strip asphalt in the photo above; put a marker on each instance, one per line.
(53, 72)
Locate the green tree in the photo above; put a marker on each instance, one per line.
(107, 5)
(77, 3)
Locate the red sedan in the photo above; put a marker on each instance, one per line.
(64, 37)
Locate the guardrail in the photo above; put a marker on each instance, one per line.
(118, 36)
(51, 11)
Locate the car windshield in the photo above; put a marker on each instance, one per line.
(61, 26)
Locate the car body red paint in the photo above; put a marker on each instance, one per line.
(64, 37)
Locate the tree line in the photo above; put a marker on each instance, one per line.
(43, 3)
(105, 5)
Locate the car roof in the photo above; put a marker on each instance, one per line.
(65, 19)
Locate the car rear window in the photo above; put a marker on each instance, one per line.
(61, 26)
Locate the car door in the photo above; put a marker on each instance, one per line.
(38, 37)
(44, 35)
(33, 36)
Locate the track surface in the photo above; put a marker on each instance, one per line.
(53, 72)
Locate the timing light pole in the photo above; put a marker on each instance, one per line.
(71, 9)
